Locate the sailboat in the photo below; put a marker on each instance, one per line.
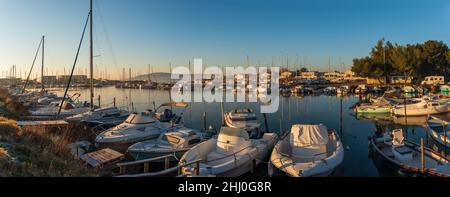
(405, 154)
(423, 108)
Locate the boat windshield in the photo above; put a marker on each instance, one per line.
(171, 139)
(136, 119)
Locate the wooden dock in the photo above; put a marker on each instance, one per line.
(102, 157)
(46, 123)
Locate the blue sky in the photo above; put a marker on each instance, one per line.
(135, 33)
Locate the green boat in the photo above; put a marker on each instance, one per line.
(174, 143)
(445, 88)
(366, 109)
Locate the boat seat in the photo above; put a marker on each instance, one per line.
(310, 153)
(403, 150)
(402, 153)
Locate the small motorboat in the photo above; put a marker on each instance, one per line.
(105, 115)
(361, 89)
(174, 143)
(438, 130)
(422, 108)
(242, 118)
(409, 89)
(343, 90)
(167, 115)
(373, 108)
(329, 90)
(68, 109)
(444, 88)
(308, 151)
(231, 154)
(136, 128)
(407, 155)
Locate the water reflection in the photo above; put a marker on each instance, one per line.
(353, 129)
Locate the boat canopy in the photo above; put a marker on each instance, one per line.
(308, 135)
(139, 119)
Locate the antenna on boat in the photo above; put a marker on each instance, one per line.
(222, 110)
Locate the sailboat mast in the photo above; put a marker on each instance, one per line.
(42, 69)
(91, 56)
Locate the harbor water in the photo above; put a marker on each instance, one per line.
(354, 130)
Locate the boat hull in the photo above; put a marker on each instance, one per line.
(140, 155)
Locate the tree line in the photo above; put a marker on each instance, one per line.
(417, 60)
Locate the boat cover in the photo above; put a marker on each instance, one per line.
(308, 135)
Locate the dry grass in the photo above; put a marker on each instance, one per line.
(40, 152)
(15, 108)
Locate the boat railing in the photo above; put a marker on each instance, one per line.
(167, 169)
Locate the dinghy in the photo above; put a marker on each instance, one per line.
(174, 143)
(308, 151)
(422, 108)
(106, 115)
(242, 118)
(136, 128)
(438, 130)
(407, 155)
(232, 154)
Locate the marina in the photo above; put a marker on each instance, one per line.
(181, 101)
(143, 135)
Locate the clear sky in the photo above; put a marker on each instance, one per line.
(135, 33)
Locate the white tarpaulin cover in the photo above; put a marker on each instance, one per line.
(308, 135)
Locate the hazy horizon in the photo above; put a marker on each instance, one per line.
(136, 33)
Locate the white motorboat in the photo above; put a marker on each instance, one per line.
(329, 90)
(174, 143)
(232, 154)
(242, 118)
(106, 115)
(68, 109)
(407, 155)
(361, 89)
(422, 108)
(343, 90)
(438, 130)
(136, 128)
(167, 115)
(409, 89)
(309, 150)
